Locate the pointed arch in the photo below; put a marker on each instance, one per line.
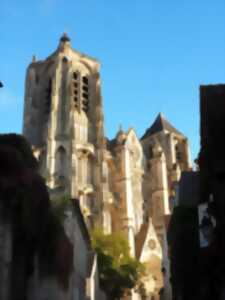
(61, 166)
(86, 65)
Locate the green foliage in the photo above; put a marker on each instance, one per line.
(118, 270)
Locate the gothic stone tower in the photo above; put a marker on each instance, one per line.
(163, 138)
(63, 121)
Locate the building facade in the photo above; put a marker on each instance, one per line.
(124, 184)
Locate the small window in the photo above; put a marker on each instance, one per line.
(85, 105)
(75, 75)
(37, 79)
(179, 156)
(178, 153)
(85, 95)
(75, 84)
(65, 60)
(85, 80)
(48, 95)
(75, 99)
(85, 102)
(85, 88)
(150, 152)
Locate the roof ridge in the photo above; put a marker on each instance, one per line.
(160, 124)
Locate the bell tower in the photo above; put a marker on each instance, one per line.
(63, 121)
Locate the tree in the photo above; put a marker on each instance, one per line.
(119, 272)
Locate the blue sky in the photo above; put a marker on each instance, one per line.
(154, 55)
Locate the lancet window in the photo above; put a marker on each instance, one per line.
(178, 152)
(61, 163)
(75, 82)
(48, 95)
(80, 87)
(85, 93)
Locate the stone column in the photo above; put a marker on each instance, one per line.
(107, 223)
(187, 154)
(129, 200)
(172, 149)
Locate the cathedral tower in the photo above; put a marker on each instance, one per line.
(175, 148)
(63, 121)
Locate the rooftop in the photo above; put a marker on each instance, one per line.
(160, 124)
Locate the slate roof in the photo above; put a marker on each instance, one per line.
(160, 124)
(111, 144)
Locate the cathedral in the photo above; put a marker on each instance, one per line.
(125, 184)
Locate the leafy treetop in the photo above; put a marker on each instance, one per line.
(119, 272)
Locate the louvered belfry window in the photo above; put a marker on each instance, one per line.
(75, 82)
(85, 94)
(80, 87)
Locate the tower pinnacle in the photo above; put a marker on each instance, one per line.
(64, 38)
(64, 42)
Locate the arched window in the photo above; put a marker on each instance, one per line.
(75, 75)
(65, 60)
(37, 78)
(85, 80)
(178, 152)
(48, 96)
(150, 152)
(61, 163)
